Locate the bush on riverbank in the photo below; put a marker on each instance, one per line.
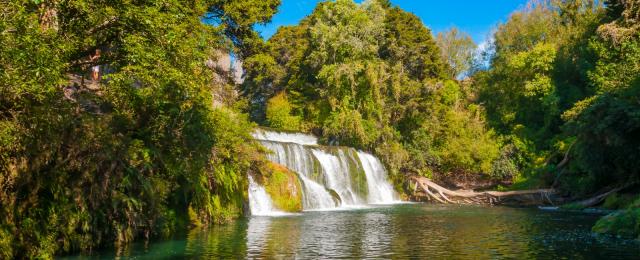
(624, 224)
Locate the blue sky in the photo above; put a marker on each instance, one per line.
(476, 17)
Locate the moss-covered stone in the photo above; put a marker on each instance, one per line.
(624, 223)
(335, 196)
(284, 188)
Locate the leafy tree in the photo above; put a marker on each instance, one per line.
(235, 19)
(458, 50)
(279, 114)
(606, 124)
(539, 71)
(408, 42)
(563, 81)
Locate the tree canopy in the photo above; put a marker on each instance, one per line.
(384, 88)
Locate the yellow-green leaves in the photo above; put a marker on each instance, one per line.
(279, 113)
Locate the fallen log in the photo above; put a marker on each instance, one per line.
(444, 195)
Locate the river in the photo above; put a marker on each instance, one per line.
(416, 231)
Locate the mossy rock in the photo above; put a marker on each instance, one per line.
(624, 224)
(357, 175)
(335, 196)
(284, 188)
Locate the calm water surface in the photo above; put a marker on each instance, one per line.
(414, 231)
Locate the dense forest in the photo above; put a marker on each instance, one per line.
(165, 142)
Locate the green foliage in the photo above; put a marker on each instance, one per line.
(451, 137)
(573, 206)
(408, 43)
(378, 88)
(564, 82)
(458, 51)
(607, 124)
(626, 222)
(535, 71)
(505, 167)
(529, 98)
(348, 126)
(559, 74)
(235, 19)
(127, 161)
(5, 244)
(279, 114)
(284, 188)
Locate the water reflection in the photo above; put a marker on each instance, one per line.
(220, 241)
(269, 238)
(377, 235)
(400, 231)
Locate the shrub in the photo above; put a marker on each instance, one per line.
(279, 113)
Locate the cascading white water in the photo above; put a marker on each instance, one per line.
(336, 170)
(296, 138)
(380, 191)
(331, 177)
(260, 203)
(301, 161)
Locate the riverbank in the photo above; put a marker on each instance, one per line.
(623, 212)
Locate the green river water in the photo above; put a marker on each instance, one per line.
(405, 231)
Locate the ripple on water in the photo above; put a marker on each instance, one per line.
(398, 231)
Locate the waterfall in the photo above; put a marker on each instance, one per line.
(302, 161)
(260, 203)
(296, 138)
(381, 192)
(336, 169)
(331, 177)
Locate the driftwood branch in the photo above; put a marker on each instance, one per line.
(444, 195)
(590, 202)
